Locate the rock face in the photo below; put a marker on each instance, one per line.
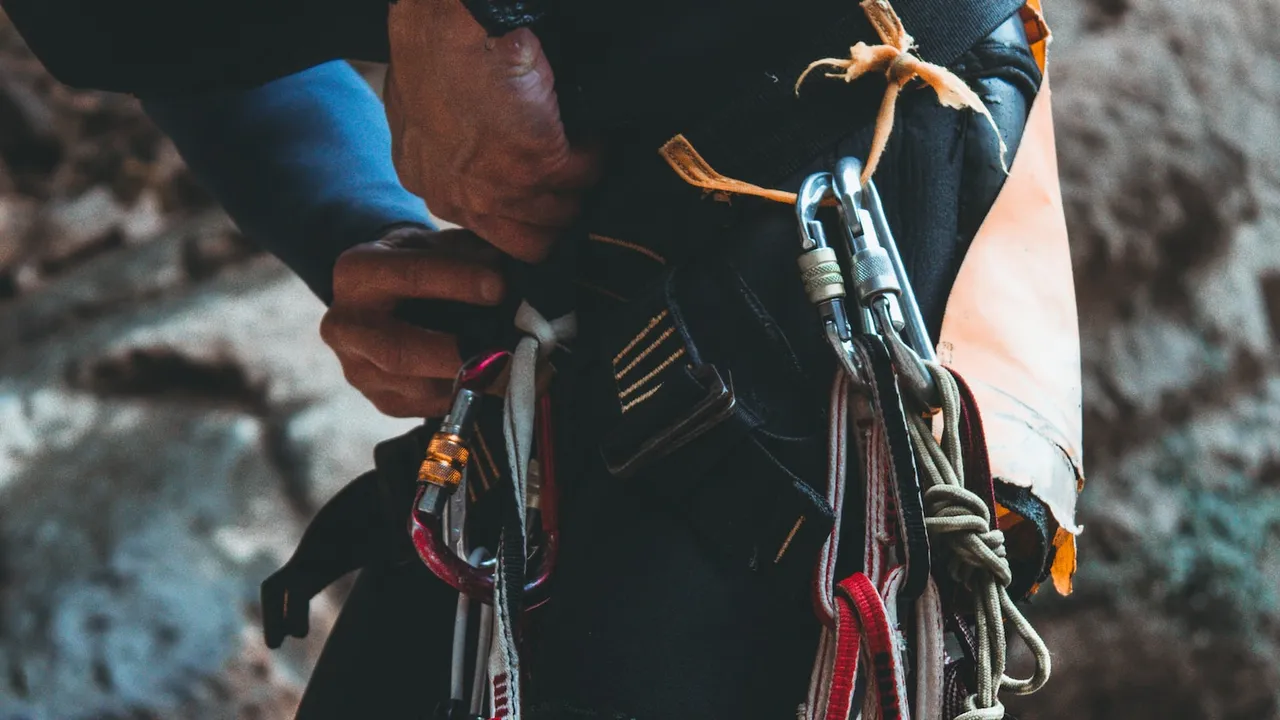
(1167, 114)
(169, 418)
(169, 421)
(156, 463)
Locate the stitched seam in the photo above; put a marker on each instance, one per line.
(653, 323)
(645, 353)
(493, 466)
(787, 543)
(641, 398)
(597, 289)
(649, 375)
(629, 246)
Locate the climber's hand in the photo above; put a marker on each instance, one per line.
(404, 370)
(476, 128)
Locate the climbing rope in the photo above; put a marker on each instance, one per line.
(961, 519)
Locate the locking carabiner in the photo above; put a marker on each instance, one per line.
(441, 474)
(821, 274)
(884, 292)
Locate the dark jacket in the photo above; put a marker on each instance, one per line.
(652, 62)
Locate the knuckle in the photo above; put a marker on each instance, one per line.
(388, 404)
(349, 272)
(353, 377)
(329, 330)
(358, 375)
(398, 358)
(419, 272)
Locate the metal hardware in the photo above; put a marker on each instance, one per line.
(885, 295)
(711, 410)
(820, 271)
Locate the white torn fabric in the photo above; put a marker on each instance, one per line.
(540, 340)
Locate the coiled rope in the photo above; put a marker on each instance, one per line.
(959, 517)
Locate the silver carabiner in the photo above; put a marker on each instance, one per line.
(884, 292)
(821, 274)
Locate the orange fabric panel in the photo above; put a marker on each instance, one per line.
(1037, 31)
(1011, 330)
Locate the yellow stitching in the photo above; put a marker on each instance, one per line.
(787, 543)
(484, 476)
(630, 246)
(641, 398)
(652, 346)
(597, 289)
(636, 340)
(493, 466)
(649, 376)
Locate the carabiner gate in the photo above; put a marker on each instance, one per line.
(440, 476)
(884, 292)
(820, 272)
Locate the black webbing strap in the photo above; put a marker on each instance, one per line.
(679, 427)
(766, 133)
(907, 497)
(945, 29)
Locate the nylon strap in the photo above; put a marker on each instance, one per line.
(900, 465)
(540, 339)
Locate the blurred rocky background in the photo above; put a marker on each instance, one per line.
(169, 421)
(169, 418)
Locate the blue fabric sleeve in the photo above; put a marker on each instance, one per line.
(302, 164)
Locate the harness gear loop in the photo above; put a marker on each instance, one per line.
(895, 59)
(960, 517)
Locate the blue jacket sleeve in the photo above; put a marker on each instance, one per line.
(302, 164)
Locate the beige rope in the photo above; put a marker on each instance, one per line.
(900, 66)
(961, 519)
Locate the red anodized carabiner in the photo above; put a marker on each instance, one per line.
(441, 473)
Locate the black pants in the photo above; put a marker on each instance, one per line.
(663, 609)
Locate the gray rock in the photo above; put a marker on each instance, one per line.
(17, 215)
(117, 594)
(1167, 114)
(146, 494)
(75, 226)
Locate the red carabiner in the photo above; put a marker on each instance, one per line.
(447, 456)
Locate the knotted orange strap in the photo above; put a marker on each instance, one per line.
(900, 67)
(693, 169)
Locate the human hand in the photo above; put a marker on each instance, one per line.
(476, 128)
(403, 369)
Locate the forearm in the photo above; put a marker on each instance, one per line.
(302, 164)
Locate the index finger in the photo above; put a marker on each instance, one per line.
(379, 276)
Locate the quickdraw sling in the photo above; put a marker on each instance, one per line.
(893, 605)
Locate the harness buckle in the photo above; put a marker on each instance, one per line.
(716, 405)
